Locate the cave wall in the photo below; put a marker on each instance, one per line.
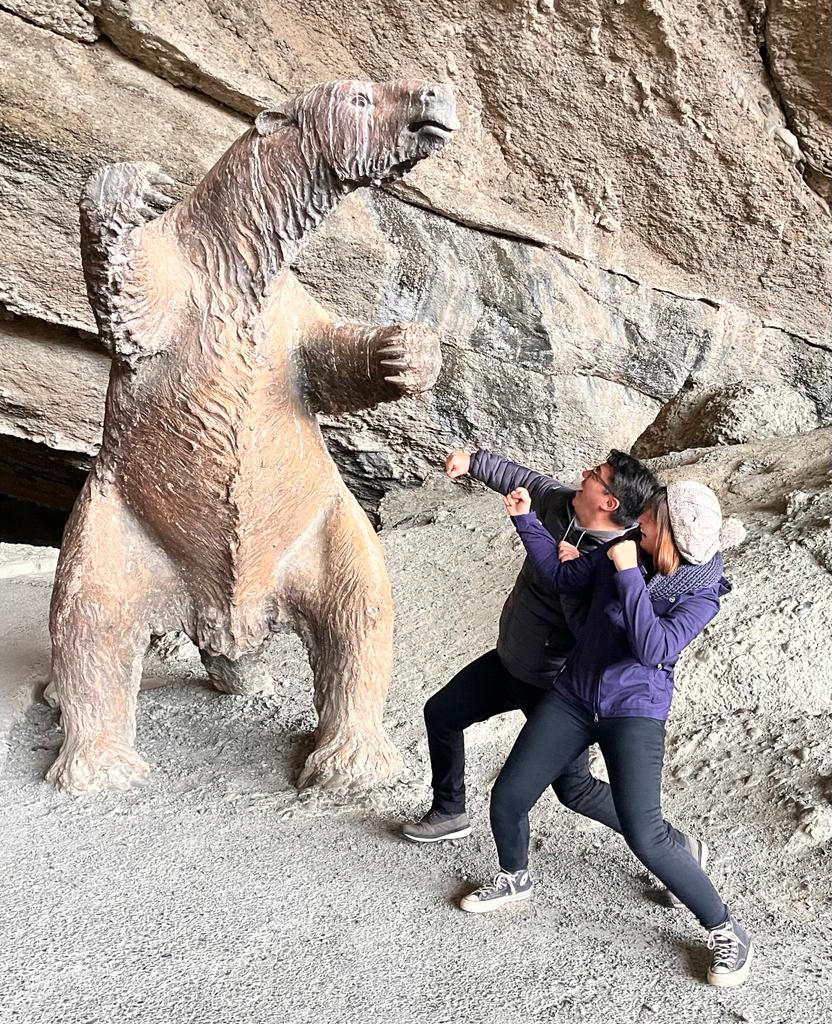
(634, 212)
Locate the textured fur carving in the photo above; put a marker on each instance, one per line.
(213, 506)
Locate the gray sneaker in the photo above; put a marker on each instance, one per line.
(700, 853)
(436, 826)
(507, 887)
(731, 962)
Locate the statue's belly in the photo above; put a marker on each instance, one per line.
(227, 473)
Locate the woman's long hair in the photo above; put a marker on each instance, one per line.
(666, 557)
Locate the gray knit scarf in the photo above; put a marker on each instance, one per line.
(686, 579)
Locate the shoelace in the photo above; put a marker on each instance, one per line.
(726, 947)
(502, 880)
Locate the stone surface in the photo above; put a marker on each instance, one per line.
(797, 37)
(52, 386)
(70, 18)
(545, 358)
(643, 138)
(619, 211)
(69, 108)
(26, 560)
(700, 417)
(24, 638)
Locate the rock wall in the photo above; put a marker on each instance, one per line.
(636, 201)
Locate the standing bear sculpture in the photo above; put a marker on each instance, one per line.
(213, 506)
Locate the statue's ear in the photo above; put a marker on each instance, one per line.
(267, 122)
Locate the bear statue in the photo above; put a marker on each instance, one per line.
(213, 506)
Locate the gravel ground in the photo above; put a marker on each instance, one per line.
(218, 892)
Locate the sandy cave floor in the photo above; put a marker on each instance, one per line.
(219, 893)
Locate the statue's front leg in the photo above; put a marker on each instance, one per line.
(355, 366)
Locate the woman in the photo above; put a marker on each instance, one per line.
(615, 690)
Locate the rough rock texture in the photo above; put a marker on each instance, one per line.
(70, 18)
(52, 385)
(68, 109)
(631, 203)
(699, 417)
(798, 45)
(545, 358)
(641, 136)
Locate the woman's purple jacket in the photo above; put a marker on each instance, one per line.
(622, 662)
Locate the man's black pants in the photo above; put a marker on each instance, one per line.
(480, 691)
(555, 734)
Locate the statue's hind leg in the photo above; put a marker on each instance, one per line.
(346, 610)
(108, 584)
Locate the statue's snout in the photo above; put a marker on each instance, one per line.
(434, 111)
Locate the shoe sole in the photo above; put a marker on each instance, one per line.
(735, 977)
(461, 834)
(479, 907)
(702, 861)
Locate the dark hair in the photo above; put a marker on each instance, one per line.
(633, 484)
(666, 557)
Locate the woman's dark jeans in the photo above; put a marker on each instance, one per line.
(555, 734)
(481, 690)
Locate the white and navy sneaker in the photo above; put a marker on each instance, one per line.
(507, 887)
(731, 962)
(700, 853)
(436, 826)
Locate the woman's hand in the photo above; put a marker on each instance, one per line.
(624, 555)
(518, 502)
(567, 552)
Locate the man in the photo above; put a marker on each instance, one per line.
(536, 634)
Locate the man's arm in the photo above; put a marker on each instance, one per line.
(503, 475)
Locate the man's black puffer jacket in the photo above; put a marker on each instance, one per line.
(537, 629)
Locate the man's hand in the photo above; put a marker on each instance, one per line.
(624, 555)
(457, 464)
(517, 502)
(567, 552)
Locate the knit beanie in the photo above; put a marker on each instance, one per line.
(695, 518)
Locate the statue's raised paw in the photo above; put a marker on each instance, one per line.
(127, 194)
(409, 357)
(351, 760)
